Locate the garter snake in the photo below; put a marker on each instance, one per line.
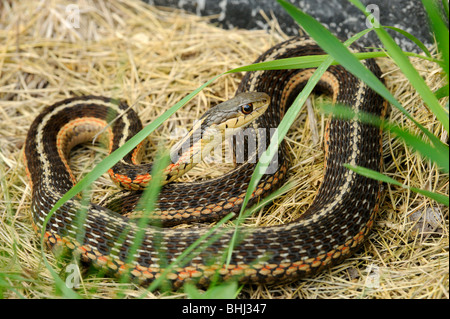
(335, 224)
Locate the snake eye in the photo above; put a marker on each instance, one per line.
(247, 108)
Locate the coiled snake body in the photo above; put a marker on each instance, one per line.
(334, 225)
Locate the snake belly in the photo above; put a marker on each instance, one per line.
(332, 228)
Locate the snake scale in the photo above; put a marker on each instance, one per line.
(332, 228)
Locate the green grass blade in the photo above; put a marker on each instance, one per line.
(227, 290)
(442, 92)
(147, 205)
(440, 30)
(59, 283)
(276, 139)
(445, 5)
(426, 150)
(383, 178)
(410, 72)
(314, 61)
(410, 37)
(214, 232)
(266, 200)
(340, 53)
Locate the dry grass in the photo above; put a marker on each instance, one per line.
(152, 58)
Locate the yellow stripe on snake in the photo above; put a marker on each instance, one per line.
(333, 227)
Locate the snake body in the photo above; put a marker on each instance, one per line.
(335, 224)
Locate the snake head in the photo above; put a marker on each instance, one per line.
(236, 112)
(221, 121)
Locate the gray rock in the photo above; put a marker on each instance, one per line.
(339, 16)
